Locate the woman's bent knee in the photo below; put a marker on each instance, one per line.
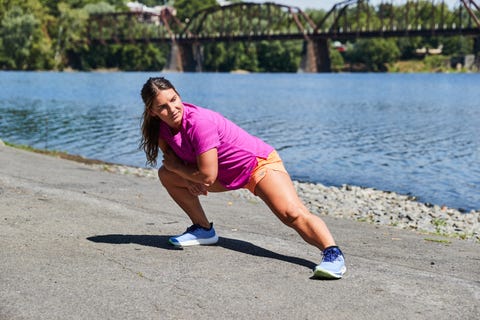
(293, 216)
(161, 172)
(166, 177)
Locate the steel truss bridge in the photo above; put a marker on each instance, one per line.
(248, 22)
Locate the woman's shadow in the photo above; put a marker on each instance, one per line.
(158, 241)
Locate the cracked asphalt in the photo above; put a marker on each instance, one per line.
(79, 243)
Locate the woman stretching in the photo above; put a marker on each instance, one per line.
(205, 152)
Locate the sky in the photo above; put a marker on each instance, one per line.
(328, 4)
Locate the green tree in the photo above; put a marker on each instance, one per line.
(99, 7)
(437, 63)
(374, 53)
(247, 57)
(457, 45)
(215, 56)
(407, 47)
(316, 15)
(336, 60)
(152, 3)
(146, 57)
(187, 8)
(71, 32)
(277, 56)
(24, 45)
(52, 5)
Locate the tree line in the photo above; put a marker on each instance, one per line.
(50, 34)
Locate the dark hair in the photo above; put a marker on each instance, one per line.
(151, 124)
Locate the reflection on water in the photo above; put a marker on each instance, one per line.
(417, 134)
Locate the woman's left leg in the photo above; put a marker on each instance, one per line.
(178, 190)
(277, 191)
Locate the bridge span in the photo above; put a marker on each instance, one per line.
(249, 22)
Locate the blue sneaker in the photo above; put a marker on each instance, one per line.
(332, 265)
(195, 235)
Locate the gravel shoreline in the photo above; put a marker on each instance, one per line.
(363, 204)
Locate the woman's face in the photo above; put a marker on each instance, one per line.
(168, 106)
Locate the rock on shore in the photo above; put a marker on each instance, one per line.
(366, 205)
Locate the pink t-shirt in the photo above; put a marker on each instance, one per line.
(204, 129)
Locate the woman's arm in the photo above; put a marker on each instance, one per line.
(162, 144)
(205, 172)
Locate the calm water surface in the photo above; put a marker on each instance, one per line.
(415, 134)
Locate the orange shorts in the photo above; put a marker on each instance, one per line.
(273, 162)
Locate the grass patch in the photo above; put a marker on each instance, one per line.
(438, 240)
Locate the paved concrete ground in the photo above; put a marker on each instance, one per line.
(76, 243)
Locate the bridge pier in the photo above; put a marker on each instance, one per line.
(315, 56)
(186, 57)
(192, 57)
(476, 51)
(174, 60)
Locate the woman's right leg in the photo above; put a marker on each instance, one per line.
(277, 191)
(177, 188)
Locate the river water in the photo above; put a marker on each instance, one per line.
(416, 134)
